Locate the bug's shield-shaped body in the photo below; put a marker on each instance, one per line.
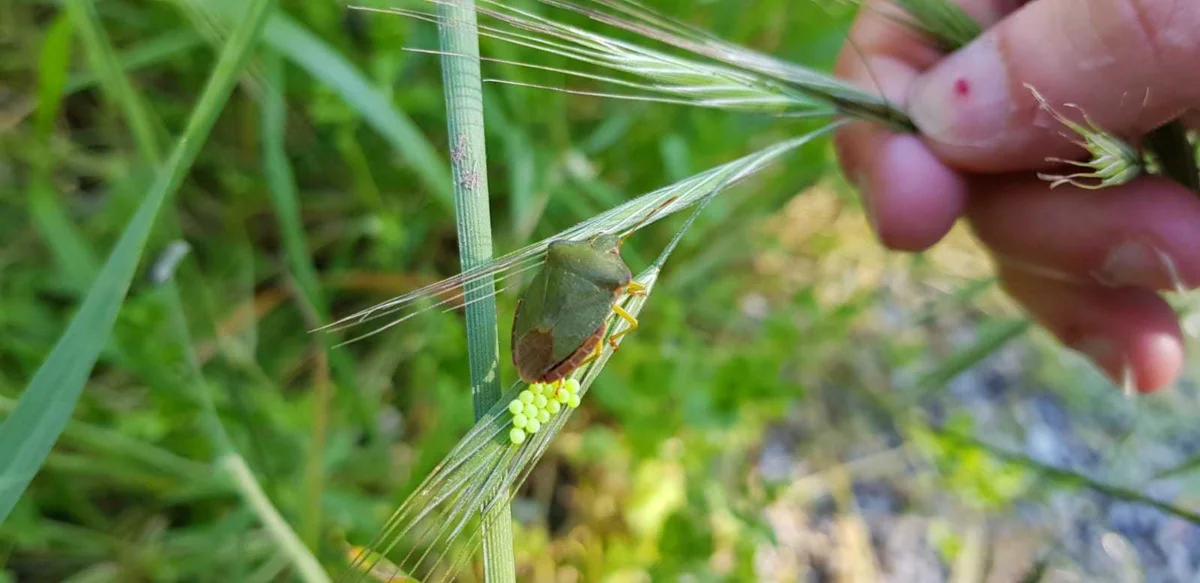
(560, 318)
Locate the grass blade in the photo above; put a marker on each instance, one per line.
(118, 446)
(281, 188)
(116, 85)
(1068, 477)
(308, 569)
(994, 335)
(306, 50)
(142, 55)
(228, 461)
(45, 406)
(71, 251)
(310, 53)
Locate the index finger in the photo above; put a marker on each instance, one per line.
(1125, 63)
(911, 197)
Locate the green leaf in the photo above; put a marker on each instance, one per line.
(144, 54)
(312, 54)
(281, 188)
(993, 335)
(45, 406)
(685, 539)
(307, 51)
(70, 250)
(52, 77)
(117, 87)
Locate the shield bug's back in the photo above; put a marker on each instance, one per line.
(561, 317)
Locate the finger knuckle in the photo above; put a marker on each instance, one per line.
(1168, 30)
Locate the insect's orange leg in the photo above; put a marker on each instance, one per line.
(634, 288)
(633, 325)
(593, 356)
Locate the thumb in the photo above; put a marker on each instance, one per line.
(1129, 64)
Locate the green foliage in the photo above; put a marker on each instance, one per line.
(48, 401)
(985, 482)
(323, 187)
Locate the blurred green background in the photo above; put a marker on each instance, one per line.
(797, 404)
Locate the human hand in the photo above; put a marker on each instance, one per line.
(1087, 265)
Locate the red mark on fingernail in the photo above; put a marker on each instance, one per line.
(962, 88)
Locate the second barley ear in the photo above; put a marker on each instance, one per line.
(1113, 161)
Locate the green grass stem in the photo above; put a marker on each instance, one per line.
(284, 199)
(227, 459)
(307, 567)
(463, 88)
(1067, 477)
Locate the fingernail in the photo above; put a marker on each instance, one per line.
(965, 99)
(1132, 264)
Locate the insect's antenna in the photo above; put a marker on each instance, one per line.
(662, 257)
(642, 221)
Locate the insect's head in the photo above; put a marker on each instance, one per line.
(606, 242)
(611, 242)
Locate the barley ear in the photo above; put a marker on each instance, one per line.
(1113, 161)
(946, 22)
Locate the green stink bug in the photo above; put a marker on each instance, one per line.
(562, 316)
(450, 293)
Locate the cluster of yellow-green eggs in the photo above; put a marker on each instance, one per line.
(534, 406)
